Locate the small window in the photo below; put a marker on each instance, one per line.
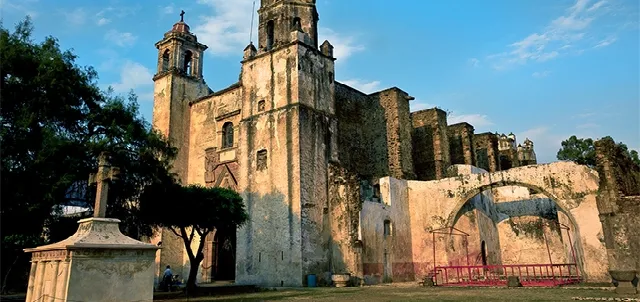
(227, 135)
(165, 61)
(387, 228)
(261, 105)
(188, 57)
(376, 192)
(261, 158)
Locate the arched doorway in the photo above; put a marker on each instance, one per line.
(512, 231)
(223, 254)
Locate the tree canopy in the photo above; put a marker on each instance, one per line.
(55, 123)
(190, 210)
(582, 151)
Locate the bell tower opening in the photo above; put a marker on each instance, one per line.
(278, 18)
(179, 50)
(165, 61)
(188, 57)
(270, 32)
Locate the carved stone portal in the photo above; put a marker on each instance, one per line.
(210, 162)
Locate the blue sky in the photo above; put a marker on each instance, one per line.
(543, 69)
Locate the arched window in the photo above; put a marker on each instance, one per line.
(296, 24)
(227, 135)
(270, 34)
(188, 57)
(165, 60)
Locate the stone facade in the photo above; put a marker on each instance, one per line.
(339, 181)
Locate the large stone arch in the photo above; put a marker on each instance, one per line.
(573, 188)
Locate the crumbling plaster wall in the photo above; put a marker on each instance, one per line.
(571, 185)
(387, 257)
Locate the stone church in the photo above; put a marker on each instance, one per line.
(327, 172)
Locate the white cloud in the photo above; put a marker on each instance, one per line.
(24, 8)
(474, 62)
(135, 76)
(555, 40)
(227, 29)
(477, 120)
(417, 105)
(343, 46)
(167, 10)
(606, 42)
(103, 21)
(76, 17)
(541, 74)
(588, 126)
(122, 39)
(364, 86)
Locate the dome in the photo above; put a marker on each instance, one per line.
(180, 27)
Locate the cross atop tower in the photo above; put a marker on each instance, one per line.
(181, 16)
(106, 174)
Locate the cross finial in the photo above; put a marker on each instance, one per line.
(105, 174)
(181, 16)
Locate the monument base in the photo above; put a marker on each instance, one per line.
(97, 263)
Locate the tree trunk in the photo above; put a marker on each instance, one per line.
(193, 273)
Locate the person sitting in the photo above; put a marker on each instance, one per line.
(167, 278)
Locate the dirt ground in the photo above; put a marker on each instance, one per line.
(414, 293)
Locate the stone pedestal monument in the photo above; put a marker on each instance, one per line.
(97, 263)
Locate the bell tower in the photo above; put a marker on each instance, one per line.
(179, 52)
(278, 18)
(178, 80)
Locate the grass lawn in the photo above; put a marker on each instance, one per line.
(414, 293)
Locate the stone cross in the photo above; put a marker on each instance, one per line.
(105, 174)
(181, 16)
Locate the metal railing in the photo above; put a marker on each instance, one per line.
(497, 275)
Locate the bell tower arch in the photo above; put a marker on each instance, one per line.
(278, 18)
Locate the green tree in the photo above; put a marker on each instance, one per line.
(55, 122)
(582, 151)
(190, 210)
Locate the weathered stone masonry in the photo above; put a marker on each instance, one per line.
(310, 155)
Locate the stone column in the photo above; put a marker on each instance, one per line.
(618, 204)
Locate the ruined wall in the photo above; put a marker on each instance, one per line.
(430, 144)
(486, 151)
(619, 204)
(387, 254)
(362, 133)
(460, 138)
(398, 120)
(436, 204)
